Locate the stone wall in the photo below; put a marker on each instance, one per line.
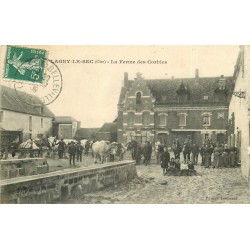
(13, 168)
(60, 185)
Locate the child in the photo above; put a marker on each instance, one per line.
(191, 166)
(172, 164)
(165, 157)
(178, 164)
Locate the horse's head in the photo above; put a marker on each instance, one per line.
(51, 140)
(132, 145)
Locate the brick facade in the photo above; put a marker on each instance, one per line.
(166, 109)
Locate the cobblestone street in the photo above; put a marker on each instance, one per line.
(223, 185)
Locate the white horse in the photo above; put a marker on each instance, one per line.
(52, 140)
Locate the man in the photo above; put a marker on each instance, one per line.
(79, 150)
(72, 153)
(112, 153)
(61, 147)
(147, 153)
(195, 152)
(176, 151)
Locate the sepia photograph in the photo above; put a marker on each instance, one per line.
(125, 124)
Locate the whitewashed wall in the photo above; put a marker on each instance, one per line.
(240, 107)
(19, 121)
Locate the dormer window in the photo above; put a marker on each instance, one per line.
(221, 90)
(182, 92)
(138, 98)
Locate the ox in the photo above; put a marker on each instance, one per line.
(100, 149)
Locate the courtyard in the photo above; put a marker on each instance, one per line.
(209, 186)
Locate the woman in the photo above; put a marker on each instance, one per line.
(233, 157)
(217, 156)
(225, 157)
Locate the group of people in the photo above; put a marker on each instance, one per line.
(140, 149)
(223, 156)
(212, 155)
(75, 150)
(172, 165)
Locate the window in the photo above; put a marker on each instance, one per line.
(138, 98)
(182, 119)
(146, 118)
(1, 115)
(41, 122)
(206, 119)
(30, 123)
(163, 119)
(131, 118)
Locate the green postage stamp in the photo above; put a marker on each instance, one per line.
(25, 64)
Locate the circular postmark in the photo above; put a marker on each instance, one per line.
(47, 91)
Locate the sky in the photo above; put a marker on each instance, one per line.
(91, 91)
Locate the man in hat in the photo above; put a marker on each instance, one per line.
(72, 153)
(61, 146)
(79, 150)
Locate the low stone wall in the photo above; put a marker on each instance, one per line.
(60, 185)
(13, 168)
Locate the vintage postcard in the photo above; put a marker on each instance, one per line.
(124, 124)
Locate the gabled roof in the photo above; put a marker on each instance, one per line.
(109, 127)
(64, 119)
(168, 91)
(86, 132)
(10, 101)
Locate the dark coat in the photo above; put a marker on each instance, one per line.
(79, 148)
(165, 158)
(72, 149)
(61, 145)
(195, 149)
(147, 151)
(190, 166)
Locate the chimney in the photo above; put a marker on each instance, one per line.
(196, 76)
(125, 78)
(222, 82)
(139, 75)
